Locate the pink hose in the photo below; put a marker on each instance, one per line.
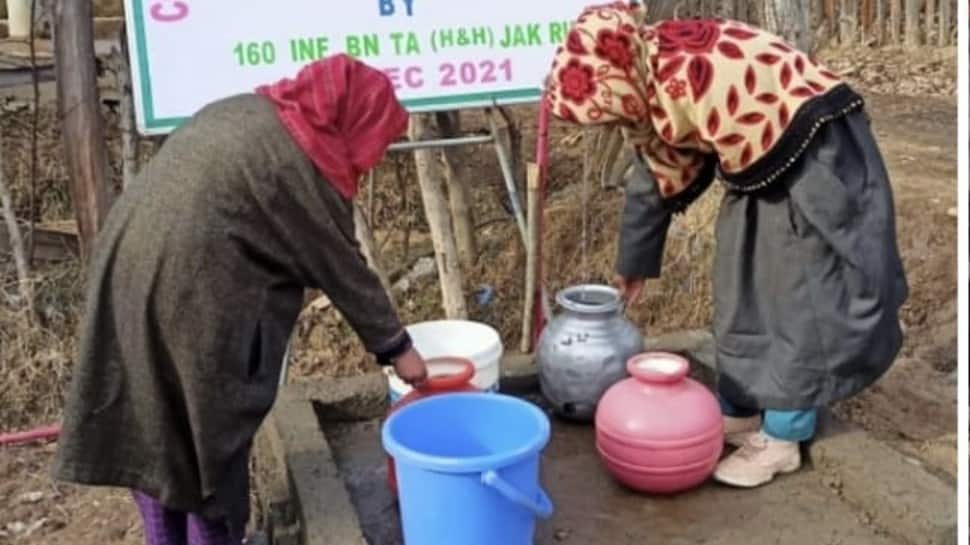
(39, 434)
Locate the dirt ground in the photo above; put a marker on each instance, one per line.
(913, 407)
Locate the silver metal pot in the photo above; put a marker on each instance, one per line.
(584, 349)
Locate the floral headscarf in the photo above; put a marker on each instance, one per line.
(694, 95)
(615, 90)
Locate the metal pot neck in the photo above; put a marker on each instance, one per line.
(590, 299)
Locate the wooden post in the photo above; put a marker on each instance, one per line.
(503, 148)
(930, 19)
(867, 16)
(126, 113)
(879, 31)
(895, 21)
(531, 256)
(459, 192)
(849, 23)
(79, 108)
(789, 19)
(912, 23)
(945, 13)
(436, 211)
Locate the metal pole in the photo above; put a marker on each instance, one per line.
(506, 163)
(441, 143)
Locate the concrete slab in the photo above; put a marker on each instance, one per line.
(315, 487)
(898, 492)
(859, 490)
(519, 373)
(592, 508)
(351, 398)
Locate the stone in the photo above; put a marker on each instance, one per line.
(326, 515)
(899, 493)
(519, 373)
(347, 398)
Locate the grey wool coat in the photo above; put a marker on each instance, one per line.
(195, 284)
(807, 276)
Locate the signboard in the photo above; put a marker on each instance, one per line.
(440, 54)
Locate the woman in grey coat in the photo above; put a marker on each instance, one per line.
(808, 281)
(197, 280)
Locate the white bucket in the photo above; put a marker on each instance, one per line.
(473, 341)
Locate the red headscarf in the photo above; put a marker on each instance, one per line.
(343, 114)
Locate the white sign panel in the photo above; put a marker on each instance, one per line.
(440, 54)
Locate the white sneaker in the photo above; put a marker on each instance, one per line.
(758, 461)
(737, 431)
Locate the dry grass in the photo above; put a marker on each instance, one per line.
(36, 359)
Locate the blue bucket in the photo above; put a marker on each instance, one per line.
(468, 469)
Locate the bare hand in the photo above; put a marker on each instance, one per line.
(630, 288)
(410, 367)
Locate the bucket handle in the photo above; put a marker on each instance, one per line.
(541, 507)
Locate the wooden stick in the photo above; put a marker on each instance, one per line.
(17, 245)
(945, 13)
(129, 136)
(439, 220)
(531, 256)
(503, 147)
(912, 23)
(459, 192)
(895, 21)
(79, 108)
(929, 19)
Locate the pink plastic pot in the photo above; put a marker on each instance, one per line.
(659, 431)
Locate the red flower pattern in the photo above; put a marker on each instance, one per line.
(677, 89)
(730, 50)
(688, 53)
(695, 36)
(574, 43)
(733, 100)
(566, 113)
(713, 123)
(739, 33)
(577, 81)
(634, 107)
(616, 48)
(783, 116)
(768, 58)
(746, 155)
(672, 67)
(732, 139)
(767, 137)
(767, 98)
(786, 76)
(750, 80)
(751, 118)
(700, 74)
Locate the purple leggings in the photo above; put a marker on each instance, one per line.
(164, 526)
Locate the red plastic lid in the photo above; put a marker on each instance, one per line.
(658, 367)
(447, 373)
